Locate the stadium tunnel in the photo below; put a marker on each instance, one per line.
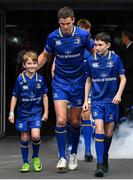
(29, 22)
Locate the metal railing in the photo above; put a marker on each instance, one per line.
(2, 74)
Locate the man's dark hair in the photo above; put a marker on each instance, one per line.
(128, 31)
(103, 37)
(65, 12)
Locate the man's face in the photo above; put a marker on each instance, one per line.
(66, 25)
(124, 39)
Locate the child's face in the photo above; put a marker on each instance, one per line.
(30, 66)
(101, 47)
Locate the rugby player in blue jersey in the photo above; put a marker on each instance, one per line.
(107, 81)
(30, 95)
(68, 43)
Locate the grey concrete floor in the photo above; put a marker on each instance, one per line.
(10, 162)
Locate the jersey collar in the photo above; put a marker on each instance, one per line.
(72, 34)
(109, 55)
(24, 79)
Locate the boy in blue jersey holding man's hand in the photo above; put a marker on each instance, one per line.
(68, 43)
(30, 95)
(107, 81)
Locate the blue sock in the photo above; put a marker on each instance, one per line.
(24, 150)
(107, 143)
(99, 145)
(69, 134)
(75, 139)
(61, 140)
(87, 134)
(35, 147)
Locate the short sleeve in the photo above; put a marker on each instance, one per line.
(44, 87)
(49, 46)
(89, 42)
(121, 69)
(16, 89)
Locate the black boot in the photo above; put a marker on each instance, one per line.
(105, 163)
(88, 158)
(99, 171)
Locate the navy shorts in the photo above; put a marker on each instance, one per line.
(72, 93)
(106, 111)
(27, 124)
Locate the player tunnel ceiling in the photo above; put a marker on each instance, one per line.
(76, 4)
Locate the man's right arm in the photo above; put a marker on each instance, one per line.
(53, 69)
(42, 59)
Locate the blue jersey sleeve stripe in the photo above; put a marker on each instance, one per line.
(47, 48)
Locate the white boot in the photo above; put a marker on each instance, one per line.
(61, 165)
(73, 163)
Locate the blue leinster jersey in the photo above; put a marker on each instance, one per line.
(29, 93)
(69, 52)
(87, 54)
(104, 72)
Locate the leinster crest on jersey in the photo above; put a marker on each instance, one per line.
(109, 64)
(77, 40)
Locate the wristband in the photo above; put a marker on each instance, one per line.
(11, 113)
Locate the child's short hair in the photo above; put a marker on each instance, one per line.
(30, 54)
(84, 23)
(103, 37)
